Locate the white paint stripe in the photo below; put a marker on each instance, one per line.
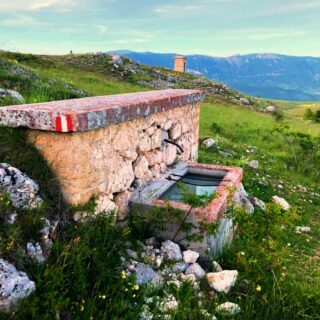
(64, 124)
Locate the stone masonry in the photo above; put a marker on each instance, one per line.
(107, 146)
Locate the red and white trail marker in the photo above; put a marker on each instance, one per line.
(64, 124)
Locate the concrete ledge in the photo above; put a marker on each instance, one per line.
(77, 115)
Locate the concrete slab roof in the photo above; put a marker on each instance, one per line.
(76, 115)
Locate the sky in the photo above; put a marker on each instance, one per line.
(209, 27)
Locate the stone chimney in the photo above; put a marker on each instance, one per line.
(180, 63)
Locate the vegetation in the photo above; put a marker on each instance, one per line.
(279, 269)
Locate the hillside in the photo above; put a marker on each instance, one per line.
(270, 76)
(279, 275)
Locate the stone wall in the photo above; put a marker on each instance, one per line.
(108, 146)
(110, 161)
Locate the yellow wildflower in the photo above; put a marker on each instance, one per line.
(123, 275)
(258, 288)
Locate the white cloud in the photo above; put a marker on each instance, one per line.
(19, 21)
(102, 28)
(34, 5)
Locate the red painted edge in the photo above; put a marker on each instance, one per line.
(58, 124)
(69, 123)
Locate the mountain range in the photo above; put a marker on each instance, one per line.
(266, 75)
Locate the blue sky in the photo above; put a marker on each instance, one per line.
(212, 27)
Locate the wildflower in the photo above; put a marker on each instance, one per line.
(289, 244)
(136, 287)
(242, 253)
(81, 308)
(123, 275)
(126, 289)
(133, 296)
(258, 288)
(103, 297)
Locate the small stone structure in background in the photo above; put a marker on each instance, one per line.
(108, 146)
(180, 63)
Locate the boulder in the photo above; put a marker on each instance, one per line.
(14, 286)
(171, 250)
(190, 256)
(145, 274)
(254, 164)
(12, 93)
(222, 281)
(258, 203)
(244, 101)
(22, 190)
(270, 109)
(195, 269)
(34, 252)
(228, 309)
(208, 143)
(281, 202)
(299, 230)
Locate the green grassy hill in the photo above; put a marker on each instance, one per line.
(279, 270)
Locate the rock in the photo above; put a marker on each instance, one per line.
(244, 101)
(171, 250)
(144, 142)
(228, 309)
(140, 167)
(281, 202)
(150, 131)
(14, 286)
(145, 274)
(225, 154)
(222, 281)
(254, 164)
(12, 217)
(22, 190)
(34, 252)
(168, 125)
(156, 139)
(299, 230)
(258, 203)
(121, 200)
(151, 241)
(175, 131)
(270, 109)
(247, 205)
(190, 256)
(163, 168)
(195, 269)
(176, 268)
(105, 205)
(169, 154)
(208, 143)
(12, 93)
(153, 157)
(189, 277)
(216, 266)
(156, 171)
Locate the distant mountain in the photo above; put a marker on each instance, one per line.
(271, 76)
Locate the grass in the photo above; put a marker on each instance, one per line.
(82, 279)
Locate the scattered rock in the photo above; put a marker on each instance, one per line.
(225, 154)
(145, 274)
(270, 109)
(190, 256)
(258, 203)
(222, 281)
(281, 202)
(208, 143)
(244, 101)
(171, 250)
(247, 205)
(34, 252)
(176, 268)
(13, 94)
(228, 309)
(195, 269)
(216, 266)
(14, 286)
(254, 164)
(22, 190)
(299, 230)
